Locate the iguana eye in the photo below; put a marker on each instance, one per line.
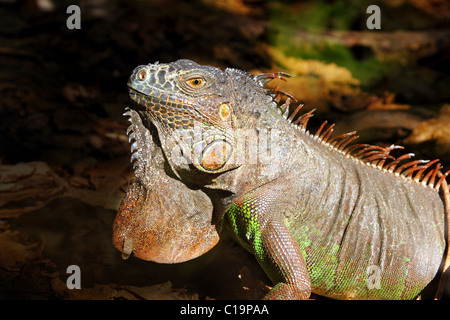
(142, 75)
(196, 82)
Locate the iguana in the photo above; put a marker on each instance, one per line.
(320, 213)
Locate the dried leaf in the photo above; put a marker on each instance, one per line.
(27, 186)
(435, 129)
(15, 251)
(161, 291)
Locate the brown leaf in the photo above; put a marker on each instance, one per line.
(26, 187)
(15, 251)
(436, 129)
(386, 103)
(161, 291)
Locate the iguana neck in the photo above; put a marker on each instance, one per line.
(265, 153)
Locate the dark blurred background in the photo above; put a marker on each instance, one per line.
(64, 155)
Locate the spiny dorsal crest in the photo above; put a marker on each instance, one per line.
(419, 171)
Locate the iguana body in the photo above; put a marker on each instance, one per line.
(318, 213)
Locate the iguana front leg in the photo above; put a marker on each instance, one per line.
(257, 225)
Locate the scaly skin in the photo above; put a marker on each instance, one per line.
(315, 214)
(180, 232)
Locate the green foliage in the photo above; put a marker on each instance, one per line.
(295, 30)
(315, 16)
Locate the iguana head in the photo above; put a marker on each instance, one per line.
(197, 107)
